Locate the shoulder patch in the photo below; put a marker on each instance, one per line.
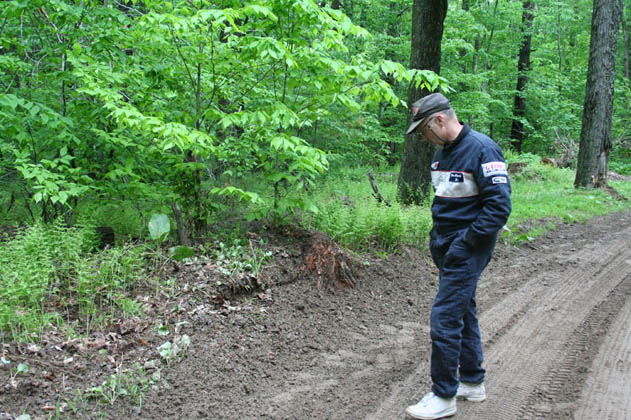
(434, 165)
(499, 180)
(494, 168)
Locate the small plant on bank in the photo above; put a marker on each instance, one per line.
(236, 257)
(124, 383)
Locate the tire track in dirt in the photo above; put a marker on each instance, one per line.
(530, 327)
(557, 396)
(539, 343)
(605, 394)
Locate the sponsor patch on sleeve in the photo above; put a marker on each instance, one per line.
(499, 180)
(435, 165)
(494, 168)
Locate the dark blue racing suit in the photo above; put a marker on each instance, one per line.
(471, 203)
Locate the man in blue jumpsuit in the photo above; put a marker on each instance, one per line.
(471, 203)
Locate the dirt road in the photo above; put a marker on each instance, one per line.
(555, 316)
(558, 342)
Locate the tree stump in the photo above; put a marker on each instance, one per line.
(516, 167)
(327, 263)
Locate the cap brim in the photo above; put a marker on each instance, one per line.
(413, 126)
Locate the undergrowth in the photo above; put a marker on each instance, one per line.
(546, 194)
(352, 216)
(48, 272)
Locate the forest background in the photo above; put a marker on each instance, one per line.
(120, 120)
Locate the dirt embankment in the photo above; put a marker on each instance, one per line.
(555, 316)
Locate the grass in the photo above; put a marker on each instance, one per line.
(353, 217)
(49, 273)
(546, 194)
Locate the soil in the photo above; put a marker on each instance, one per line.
(555, 315)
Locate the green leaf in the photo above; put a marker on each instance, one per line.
(162, 329)
(165, 350)
(159, 227)
(179, 253)
(22, 368)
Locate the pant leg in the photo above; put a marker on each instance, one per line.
(471, 370)
(453, 320)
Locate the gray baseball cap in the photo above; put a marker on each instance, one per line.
(427, 106)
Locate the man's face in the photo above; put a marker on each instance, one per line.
(427, 132)
(424, 129)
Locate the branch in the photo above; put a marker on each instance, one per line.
(403, 11)
(190, 76)
(42, 11)
(377, 194)
(4, 24)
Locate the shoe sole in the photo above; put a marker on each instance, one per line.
(473, 399)
(438, 416)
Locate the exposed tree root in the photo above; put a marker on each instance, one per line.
(327, 263)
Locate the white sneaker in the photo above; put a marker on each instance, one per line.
(432, 407)
(471, 392)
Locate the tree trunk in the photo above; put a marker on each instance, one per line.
(523, 68)
(428, 17)
(182, 234)
(625, 34)
(394, 30)
(488, 45)
(596, 142)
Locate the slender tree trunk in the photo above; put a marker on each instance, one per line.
(523, 68)
(463, 53)
(559, 44)
(394, 30)
(488, 45)
(596, 142)
(559, 47)
(625, 34)
(483, 85)
(428, 17)
(476, 57)
(182, 234)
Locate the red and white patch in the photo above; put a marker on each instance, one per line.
(434, 166)
(494, 168)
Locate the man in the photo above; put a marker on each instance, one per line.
(471, 203)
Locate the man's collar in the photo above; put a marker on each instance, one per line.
(463, 132)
